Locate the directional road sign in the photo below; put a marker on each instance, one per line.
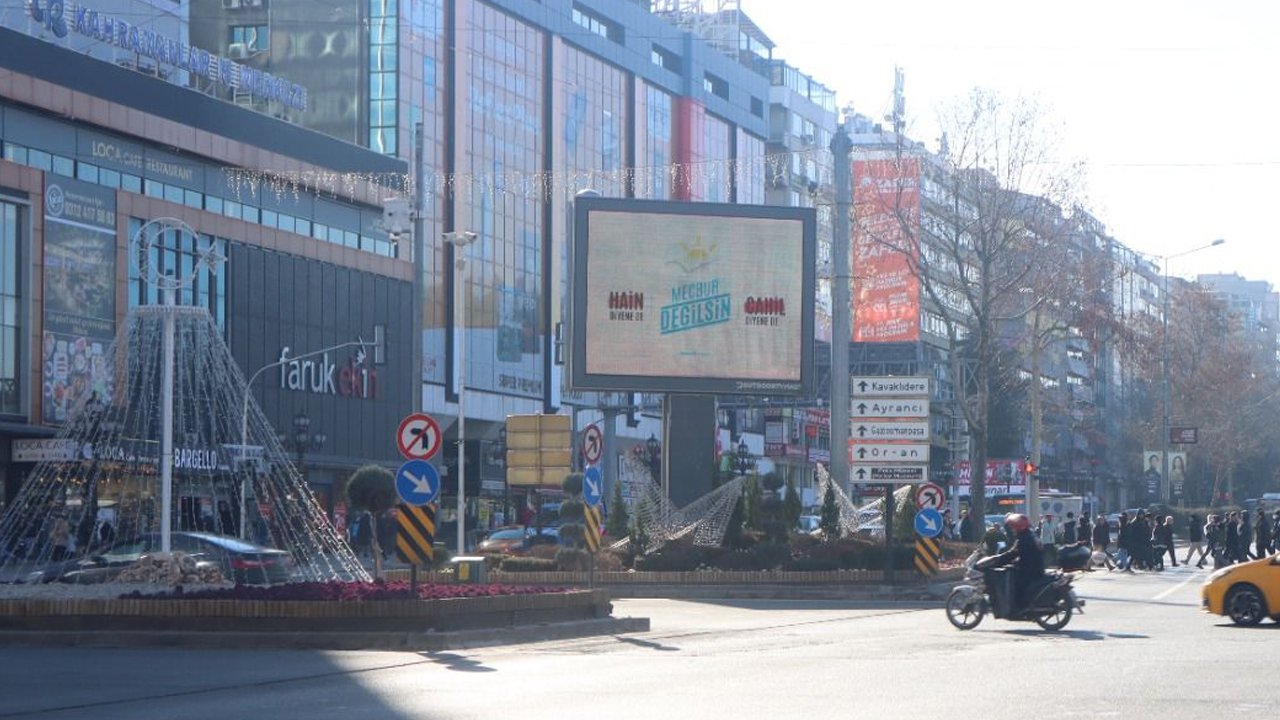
(888, 386)
(891, 408)
(929, 495)
(885, 430)
(888, 452)
(928, 523)
(592, 444)
(886, 474)
(417, 482)
(592, 486)
(419, 437)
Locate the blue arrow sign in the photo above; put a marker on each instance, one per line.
(417, 482)
(592, 486)
(928, 523)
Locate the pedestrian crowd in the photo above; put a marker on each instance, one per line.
(1143, 540)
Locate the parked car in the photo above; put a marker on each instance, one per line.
(1246, 592)
(516, 540)
(240, 561)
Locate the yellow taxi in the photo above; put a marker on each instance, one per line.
(1245, 592)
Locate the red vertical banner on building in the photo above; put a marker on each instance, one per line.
(690, 123)
(886, 211)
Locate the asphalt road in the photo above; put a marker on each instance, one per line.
(1142, 650)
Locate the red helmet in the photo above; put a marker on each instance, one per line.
(1017, 522)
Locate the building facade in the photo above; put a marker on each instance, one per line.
(92, 151)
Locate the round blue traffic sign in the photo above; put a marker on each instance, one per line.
(928, 523)
(417, 482)
(592, 486)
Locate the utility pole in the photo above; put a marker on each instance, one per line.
(841, 306)
(419, 250)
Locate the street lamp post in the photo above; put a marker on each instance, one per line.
(744, 457)
(460, 241)
(1165, 486)
(244, 459)
(305, 441)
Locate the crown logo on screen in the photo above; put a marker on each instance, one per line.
(696, 256)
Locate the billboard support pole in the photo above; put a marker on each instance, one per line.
(609, 455)
(841, 307)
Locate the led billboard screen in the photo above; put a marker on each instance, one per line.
(692, 297)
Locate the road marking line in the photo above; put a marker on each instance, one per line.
(1174, 589)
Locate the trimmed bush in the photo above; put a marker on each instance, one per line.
(511, 563)
(573, 559)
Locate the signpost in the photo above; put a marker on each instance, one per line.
(888, 452)
(419, 437)
(930, 496)
(415, 536)
(890, 474)
(889, 440)
(592, 486)
(887, 430)
(592, 444)
(877, 386)
(892, 408)
(1184, 435)
(417, 482)
(928, 523)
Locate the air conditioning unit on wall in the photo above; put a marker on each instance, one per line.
(230, 4)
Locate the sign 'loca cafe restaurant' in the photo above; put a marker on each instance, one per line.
(61, 18)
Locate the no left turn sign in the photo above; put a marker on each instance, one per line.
(592, 444)
(929, 495)
(419, 437)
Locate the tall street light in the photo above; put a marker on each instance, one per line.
(460, 241)
(1165, 486)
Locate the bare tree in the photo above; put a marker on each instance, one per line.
(966, 226)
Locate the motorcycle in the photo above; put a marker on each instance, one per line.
(990, 590)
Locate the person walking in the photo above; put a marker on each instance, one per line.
(1124, 544)
(1069, 529)
(1102, 540)
(1084, 530)
(1163, 535)
(1246, 536)
(1195, 540)
(1275, 531)
(1048, 536)
(1231, 539)
(1261, 535)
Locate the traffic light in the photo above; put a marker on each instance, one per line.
(1029, 467)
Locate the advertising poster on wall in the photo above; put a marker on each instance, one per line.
(886, 305)
(79, 294)
(704, 300)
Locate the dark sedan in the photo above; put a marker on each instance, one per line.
(516, 540)
(240, 561)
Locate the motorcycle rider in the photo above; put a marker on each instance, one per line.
(1025, 556)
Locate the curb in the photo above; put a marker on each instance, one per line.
(394, 641)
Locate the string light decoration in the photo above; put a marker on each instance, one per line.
(853, 518)
(706, 518)
(113, 461)
(543, 186)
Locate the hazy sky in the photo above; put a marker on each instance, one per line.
(1173, 106)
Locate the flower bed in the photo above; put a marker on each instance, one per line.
(345, 592)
